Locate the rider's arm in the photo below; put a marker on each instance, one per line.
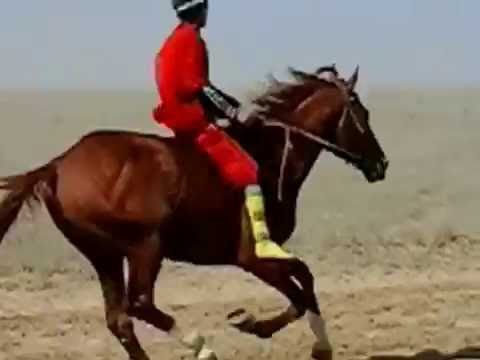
(195, 83)
(194, 70)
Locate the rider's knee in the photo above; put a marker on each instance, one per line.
(241, 174)
(235, 165)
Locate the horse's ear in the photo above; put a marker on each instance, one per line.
(331, 69)
(352, 82)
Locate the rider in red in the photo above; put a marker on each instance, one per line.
(190, 106)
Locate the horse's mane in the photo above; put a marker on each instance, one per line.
(283, 97)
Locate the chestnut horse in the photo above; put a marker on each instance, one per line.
(119, 195)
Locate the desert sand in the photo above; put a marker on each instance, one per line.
(396, 263)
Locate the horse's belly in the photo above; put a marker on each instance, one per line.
(207, 241)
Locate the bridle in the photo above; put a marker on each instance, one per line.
(338, 151)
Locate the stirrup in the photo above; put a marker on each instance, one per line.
(267, 249)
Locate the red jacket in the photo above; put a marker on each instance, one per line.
(181, 70)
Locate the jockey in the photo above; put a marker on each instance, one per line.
(190, 106)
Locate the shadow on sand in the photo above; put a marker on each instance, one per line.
(466, 353)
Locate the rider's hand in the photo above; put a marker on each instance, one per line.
(244, 116)
(223, 123)
(241, 116)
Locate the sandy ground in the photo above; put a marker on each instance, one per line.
(63, 319)
(396, 263)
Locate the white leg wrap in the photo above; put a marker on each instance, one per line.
(195, 341)
(317, 324)
(206, 354)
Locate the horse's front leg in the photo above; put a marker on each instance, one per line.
(280, 274)
(275, 273)
(322, 349)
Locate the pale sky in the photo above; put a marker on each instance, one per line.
(111, 43)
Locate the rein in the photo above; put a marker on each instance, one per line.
(328, 145)
(338, 151)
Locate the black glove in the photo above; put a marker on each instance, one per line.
(234, 102)
(218, 103)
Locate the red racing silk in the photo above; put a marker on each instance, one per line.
(181, 71)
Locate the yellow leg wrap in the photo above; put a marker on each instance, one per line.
(264, 246)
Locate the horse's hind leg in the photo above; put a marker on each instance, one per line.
(111, 276)
(144, 263)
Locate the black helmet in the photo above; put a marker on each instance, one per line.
(181, 6)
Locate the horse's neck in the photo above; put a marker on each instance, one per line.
(281, 213)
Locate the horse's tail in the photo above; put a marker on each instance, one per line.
(20, 190)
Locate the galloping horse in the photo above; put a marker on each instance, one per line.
(124, 194)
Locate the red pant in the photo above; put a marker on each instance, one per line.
(234, 164)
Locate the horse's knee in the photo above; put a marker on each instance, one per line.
(125, 325)
(119, 324)
(142, 302)
(143, 309)
(303, 274)
(112, 321)
(298, 311)
(140, 306)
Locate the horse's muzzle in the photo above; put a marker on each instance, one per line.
(375, 170)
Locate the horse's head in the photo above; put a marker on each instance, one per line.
(322, 111)
(353, 132)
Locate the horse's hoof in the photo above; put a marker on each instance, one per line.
(169, 323)
(321, 352)
(207, 354)
(236, 313)
(242, 320)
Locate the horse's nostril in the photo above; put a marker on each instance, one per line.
(385, 163)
